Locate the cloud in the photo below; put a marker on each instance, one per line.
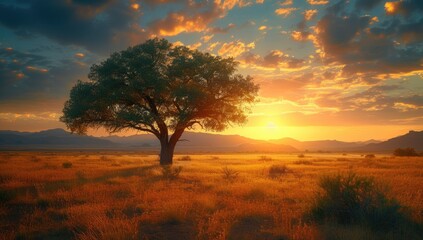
(285, 12)
(310, 14)
(31, 82)
(367, 4)
(287, 3)
(364, 48)
(207, 38)
(222, 30)
(274, 59)
(235, 48)
(403, 7)
(262, 28)
(318, 2)
(95, 25)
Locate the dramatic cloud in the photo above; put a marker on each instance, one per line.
(318, 2)
(285, 12)
(274, 59)
(404, 7)
(362, 48)
(235, 48)
(96, 25)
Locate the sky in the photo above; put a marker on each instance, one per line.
(327, 69)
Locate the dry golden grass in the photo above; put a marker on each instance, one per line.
(123, 195)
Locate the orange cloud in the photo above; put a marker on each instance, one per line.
(287, 3)
(207, 38)
(32, 68)
(318, 2)
(194, 46)
(79, 55)
(135, 6)
(212, 46)
(285, 12)
(235, 48)
(262, 28)
(392, 8)
(309, 14)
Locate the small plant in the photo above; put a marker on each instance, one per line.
(265, 158)
(352, 199)
(301, 155)
(369, 156)
(80, 176)
(276, 171)
(405, 152)
(229, 173)
(303, 162)
(67, 165)
(215, 158)
(170, 173)
(185, 158)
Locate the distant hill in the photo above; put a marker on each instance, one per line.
(205, 142)
(53, 138)
(322, 145)
(413, 139)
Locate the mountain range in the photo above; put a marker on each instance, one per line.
(192, 141)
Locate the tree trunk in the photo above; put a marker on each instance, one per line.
(166, 153)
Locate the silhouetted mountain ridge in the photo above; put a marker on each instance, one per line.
(59, 138)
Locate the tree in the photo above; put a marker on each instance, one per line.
(161, 89)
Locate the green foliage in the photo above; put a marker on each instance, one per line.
(67, 165)
(170, 173)
(158, 88)
(405, 152)
(352, 199)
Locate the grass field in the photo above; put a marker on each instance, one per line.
(127, 195)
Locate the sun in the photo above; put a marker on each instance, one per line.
(271, 125)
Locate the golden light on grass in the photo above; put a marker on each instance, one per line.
(123, 195)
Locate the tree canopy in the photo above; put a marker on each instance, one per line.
(162, 89)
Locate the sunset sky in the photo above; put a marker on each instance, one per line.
(346, 70)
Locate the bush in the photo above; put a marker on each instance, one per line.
(276, 171)
(229, 173)
(185, 158)
(405, 152)
(265, 158)
(301, 155)
(369, 156)
(67, 165)
(352, 199)
(170, 173)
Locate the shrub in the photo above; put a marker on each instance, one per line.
(353, 199)
(369, 156)
(185, 158)
(276, 171)
(405, 152)
(301, 155)
(304, 162)
(229, 173)
(67, 165)
(170, 173)
(265, 158)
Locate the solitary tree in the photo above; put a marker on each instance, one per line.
(162, 89)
